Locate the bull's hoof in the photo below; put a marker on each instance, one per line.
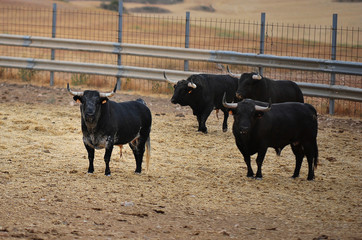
(137, 173)
(310, 178)
(108, 175)
(224, 129)
(203, 130)
(258, 177)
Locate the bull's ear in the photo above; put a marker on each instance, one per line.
(78, 99)
(232, 111)
(104, 100)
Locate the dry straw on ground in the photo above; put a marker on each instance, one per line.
(196, 188)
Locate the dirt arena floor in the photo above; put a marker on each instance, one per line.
(196, 187)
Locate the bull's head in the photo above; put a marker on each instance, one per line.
(246, 83)
(91, 103)
(246, 113)
(183, 90)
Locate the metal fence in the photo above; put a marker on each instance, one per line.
(212, 34)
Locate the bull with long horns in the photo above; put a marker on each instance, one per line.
(203, 93)
(256, 87)
(106, 123)
(258, 126)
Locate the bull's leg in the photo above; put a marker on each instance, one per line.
(246, 156)
(309, 150)
(107, 155)
(202, 124)
(202, 119)
(225, 122)
(107, 159)
(299, 155)
(138, 148)
(250, 173)
(259, 162)
(310, 167)
(90, 151)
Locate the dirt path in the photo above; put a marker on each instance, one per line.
(196, 188)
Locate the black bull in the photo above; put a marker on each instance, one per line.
(256, 87)
(106, 123)
(203, 93)
(257, 127)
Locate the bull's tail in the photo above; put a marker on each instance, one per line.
(148, 153)
(315, 154)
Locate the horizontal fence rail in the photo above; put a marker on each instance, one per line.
(308, 89)
(226, 57)
(331, 91)
(92, 68)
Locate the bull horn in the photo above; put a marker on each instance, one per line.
(263, 109)
(257, 76)
(228, 105)
(108, 95)
(232, 74)
(73, 93)
(169, 80)
(192, 85)
(220, 67)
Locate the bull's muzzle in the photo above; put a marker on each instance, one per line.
(244, 130)
(173, 101)
(89, 118)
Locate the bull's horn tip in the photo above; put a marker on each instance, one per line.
(257, 76)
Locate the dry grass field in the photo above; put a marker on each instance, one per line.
(308, 12)
(196, 188)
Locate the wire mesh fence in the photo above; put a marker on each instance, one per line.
(214, 34)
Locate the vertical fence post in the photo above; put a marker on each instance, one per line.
(262, 38)
(120, 25)
(54, 24)
(187, 39)
(333, 57)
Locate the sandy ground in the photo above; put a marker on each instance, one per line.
(196, 187)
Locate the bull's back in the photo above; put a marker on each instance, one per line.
(285, 91)
(130, 119)
(290, 122)
(134, 111)
(220, 84)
